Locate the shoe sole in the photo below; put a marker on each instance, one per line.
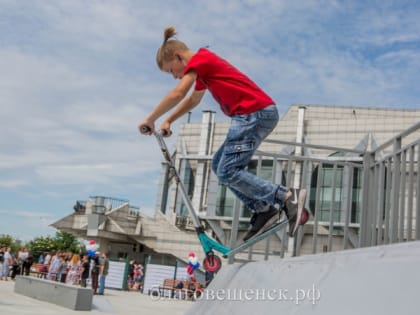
(266, 226)
(301, 205)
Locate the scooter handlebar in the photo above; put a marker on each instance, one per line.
(146, 129)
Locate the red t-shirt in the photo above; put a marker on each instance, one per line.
(234, 91)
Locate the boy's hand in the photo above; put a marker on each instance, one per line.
(147, 128)
(166, 128)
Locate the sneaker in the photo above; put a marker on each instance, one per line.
(291, 208)
(261, 221)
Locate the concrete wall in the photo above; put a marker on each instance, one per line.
(376, 280)
(69, 296)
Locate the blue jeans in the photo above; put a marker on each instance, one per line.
(229, 162)
(101, 288)
(5, 271)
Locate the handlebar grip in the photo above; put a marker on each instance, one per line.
(145, 129)
(163, 132)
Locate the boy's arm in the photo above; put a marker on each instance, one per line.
(169, 101)
(187, 105)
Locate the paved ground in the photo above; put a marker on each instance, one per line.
(113, 302)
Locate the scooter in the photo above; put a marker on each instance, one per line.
(211, 262)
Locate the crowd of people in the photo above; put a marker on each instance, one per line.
(74, 269)
(60, 266)
(12, 265)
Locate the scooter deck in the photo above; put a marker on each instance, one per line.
(257, 238)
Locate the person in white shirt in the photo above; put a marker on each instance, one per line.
(7, 262)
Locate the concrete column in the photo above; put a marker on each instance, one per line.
(203, 167)
(298, 150)
(292, 243)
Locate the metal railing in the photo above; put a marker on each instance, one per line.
(357, 198)
(330, 181)
(104, 204)
(392, 203)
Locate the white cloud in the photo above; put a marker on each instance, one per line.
(78, 76)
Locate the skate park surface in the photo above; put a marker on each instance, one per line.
(375, 280)
(113, 302)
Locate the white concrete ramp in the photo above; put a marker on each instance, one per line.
(375, 280)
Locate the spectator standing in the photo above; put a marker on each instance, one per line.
(138, 276)
(2, 250)
(48, 257)
(53, 269)
(103, 272)
(7, 262)
(41, 259)
(62, 269)
(15, 267)
(73, 275)
(130, 276)
(21, 257)
(84, 271)
(27, 263)
(95, 272)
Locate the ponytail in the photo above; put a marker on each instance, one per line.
(166, 52)
(168, 33)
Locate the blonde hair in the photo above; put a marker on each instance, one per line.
(169, 46)
(75, 259)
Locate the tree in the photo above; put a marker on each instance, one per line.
(62, 241)
(67, 242)
(8, 241)
(41, 245)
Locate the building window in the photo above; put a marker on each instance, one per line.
(225, 202)
(188, 181)
(225, 198)
(326, 194)
(356, 196)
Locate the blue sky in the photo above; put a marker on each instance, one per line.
(78, 76)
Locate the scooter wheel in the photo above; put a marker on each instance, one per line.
(212, 263)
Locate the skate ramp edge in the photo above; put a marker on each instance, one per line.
(375, 280)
